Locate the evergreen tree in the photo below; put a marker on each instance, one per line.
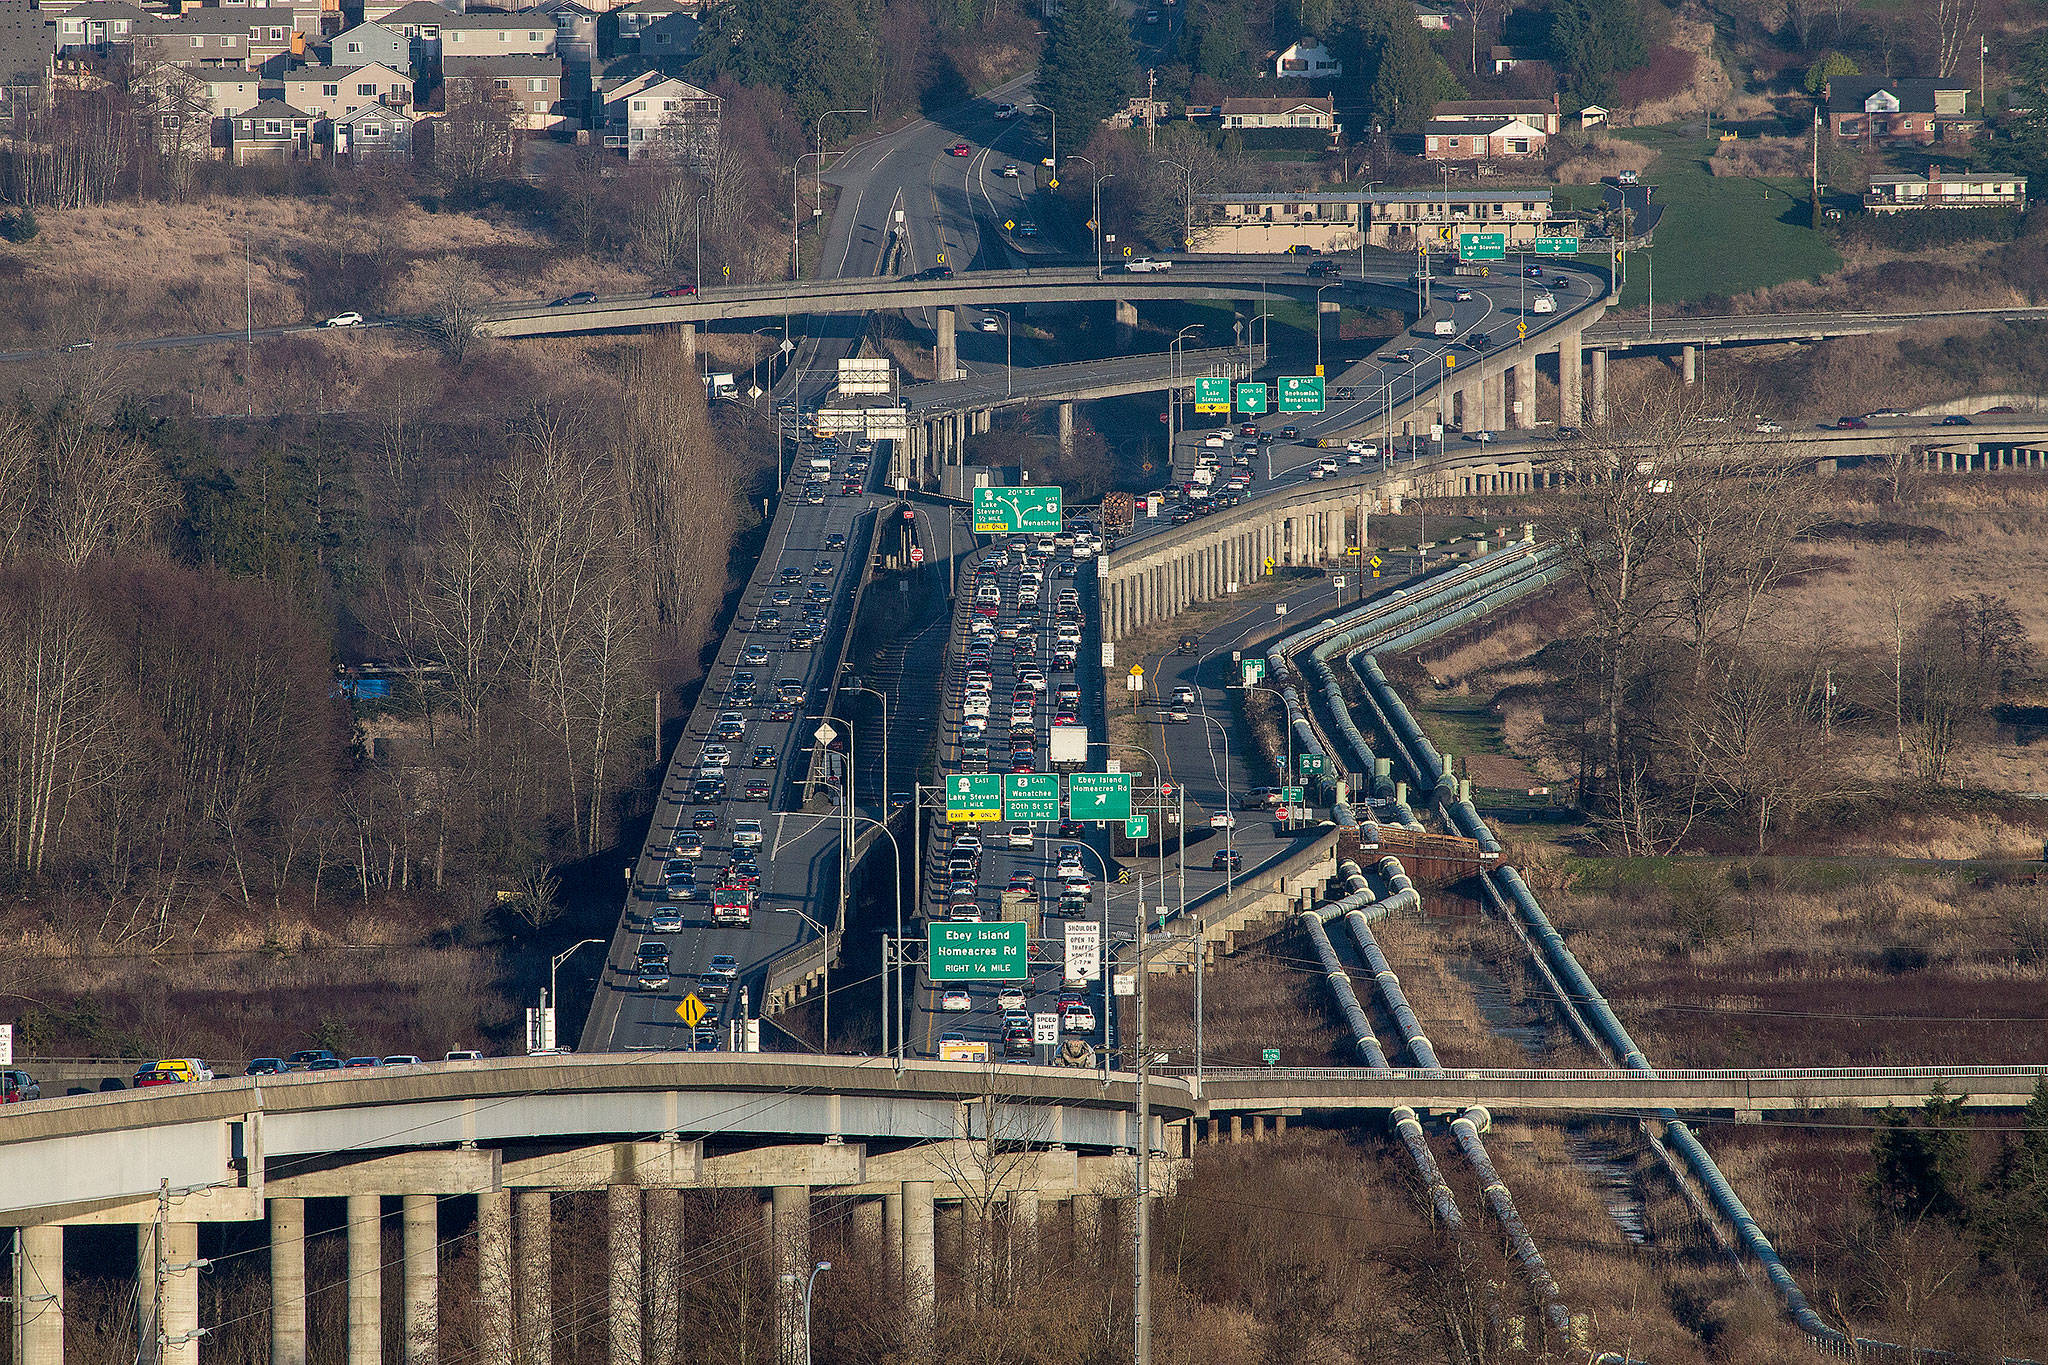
(1594, 41)
(1085, 72)
(2016, 1212)
(1390, 62)
(1923, 1171)
(2026, 151)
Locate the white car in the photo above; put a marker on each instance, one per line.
(1222, 819)
(1145, 265)
(1543, 304)
(1006, 111)
(746, 833)
(1464, 296)
(990, 323)
(1214, 441)
(344, 320)
(953, 1002)
(1011, 172)
(1021, 836)
(1010, 998)
(1080, 1019)
(1768, 428)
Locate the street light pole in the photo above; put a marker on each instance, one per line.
(555, 967)
(883, 702)
(1319, 324)
(806, 1288)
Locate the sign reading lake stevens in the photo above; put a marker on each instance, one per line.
(1212, 395)
(978, 952)
(1005, 511)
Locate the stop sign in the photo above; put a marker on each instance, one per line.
(917, 554)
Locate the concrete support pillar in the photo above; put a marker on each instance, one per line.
(180, 1327)
(365, 1279)
(1568, 363)
(1066, 428)
(535, 1211)
(421, 1221)
(1087, 1224)
(1023, 1228)
(946, 354)
(494, 1273)
(790, 1215)
(1525, 393)
(662, 1262)
(1258, 1127)
(686, 338)
(1689, 362)
(920, 1260)
(1497, 401)
(1236, 1128)
(1329, 321)
(39, 1297)
(1599, 414)
(287, 1282)
(892, 1227)
(622, 1204)
(1126, 322)
(1279, 1125)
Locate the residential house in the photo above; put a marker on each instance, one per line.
(97, 27)
(327, 92)
(1923, 109)
(28, 56)
(1935, 190)
(576, 29)
(635, 17)
(669, 36)
(1436, 15)
(532, 85)
(380, 11)
(1541, 114)
(1506, 59)
(217, 92)
(652, 116)
(527, 34)
(370, 43)
(1307, 60)
(1319, 114)
(259, 39)
(1476, 140)
(419, 23)
(373, 133)
(271, 131)
(1397, 219)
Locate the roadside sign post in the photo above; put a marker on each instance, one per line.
(1084, 952)
(1212, 395)
(1031, 796)
(1045, 1032)
(972, 797)
(1301, 393)
(1311, 763)
(1138, 827)
(1006, 511)
(1099, 796)
(1251, 399)
(1270, 1056)
(977, 952)
(1253, 670)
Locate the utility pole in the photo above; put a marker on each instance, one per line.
(1816, 168)
(1141, 1298)
(1151, 124)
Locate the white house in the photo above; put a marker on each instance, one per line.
(1307, 60)
(1319, 113)
(660, 117)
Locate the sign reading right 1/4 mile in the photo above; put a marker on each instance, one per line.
(977, 952)
(1099, 796)
(1005, 511)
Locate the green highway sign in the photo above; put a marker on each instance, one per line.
(1254, 670)
(1291, 795)
(1212, 395)
(1482, 246)
(1099, 796)
(1311, 763)
(1301, 393)
(1138, 827)
(1557, 246)
(974, 796)
(1251, 398)
(1031, 796)
(1000, 511)
(1270, 1056)
(978, 952)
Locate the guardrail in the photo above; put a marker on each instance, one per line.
(1516, 1075)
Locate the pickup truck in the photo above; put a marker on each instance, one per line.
(1145, 265)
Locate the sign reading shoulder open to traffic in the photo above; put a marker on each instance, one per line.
(974, 796)
(977, 952)
(1005, 511)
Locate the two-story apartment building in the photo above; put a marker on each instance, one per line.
(1923, 109)
(1275, 221)
(327, 92)
(97, 27)
(652, 116)
(532, 86)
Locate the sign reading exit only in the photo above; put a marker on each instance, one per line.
(1005, 511)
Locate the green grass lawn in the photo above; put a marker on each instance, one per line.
(1719, 234)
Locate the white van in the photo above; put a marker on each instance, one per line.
(1445, 327)
(1543, 304)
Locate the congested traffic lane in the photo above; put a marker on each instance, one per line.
(1024, 620)
(716, 824)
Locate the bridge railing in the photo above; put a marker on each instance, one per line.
(1511, 1075)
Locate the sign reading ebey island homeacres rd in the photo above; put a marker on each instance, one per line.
(978, 952)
